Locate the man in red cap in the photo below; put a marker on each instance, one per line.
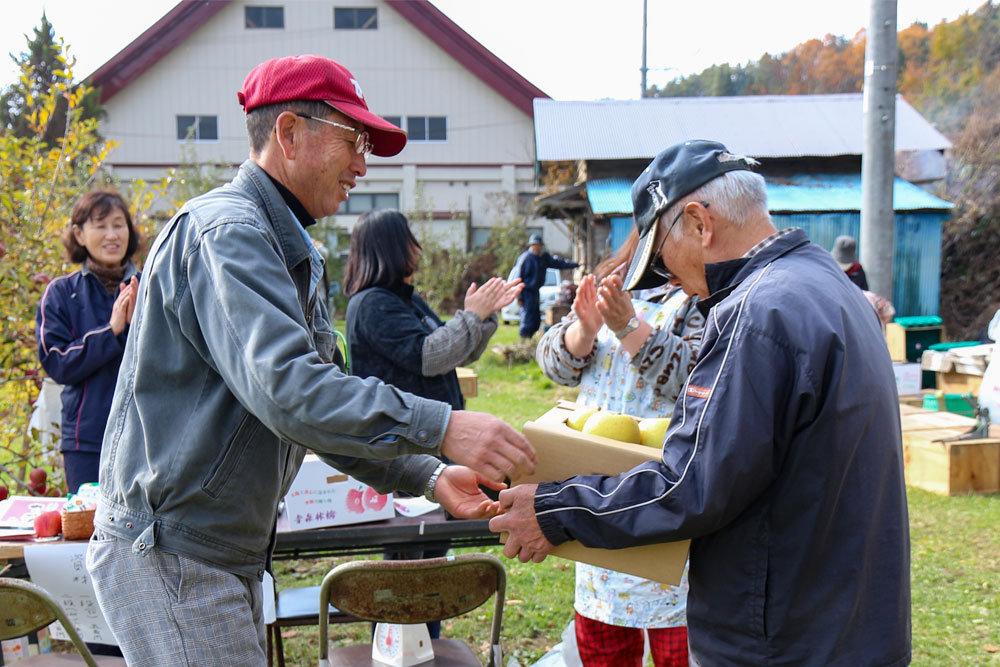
(228, 378)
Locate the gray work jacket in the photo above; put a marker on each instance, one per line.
(226, 381)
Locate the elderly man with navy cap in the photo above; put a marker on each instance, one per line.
(228, 377)
(783, 461)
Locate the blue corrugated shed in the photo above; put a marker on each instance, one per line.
(841, 192)
(829, 205)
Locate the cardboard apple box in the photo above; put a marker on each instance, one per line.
(564, 452)
(321, 496)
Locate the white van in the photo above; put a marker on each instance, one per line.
(547, 295)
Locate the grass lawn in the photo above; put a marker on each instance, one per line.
(955, 559)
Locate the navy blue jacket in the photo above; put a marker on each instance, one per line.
(533, 267)
(79, 351)
(385, 336)
(783, 464)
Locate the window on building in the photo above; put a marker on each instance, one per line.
(198, 128)
(480, 235)
(264, 17)
(355, 18)
(395, 120)
(361, 202)
(427, 128)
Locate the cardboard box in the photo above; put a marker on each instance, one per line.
(322, 496)
(564, 452)
(953, 466)
(468, 381)
(908, 378)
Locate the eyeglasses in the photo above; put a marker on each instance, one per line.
(362, 145)
(657, 266)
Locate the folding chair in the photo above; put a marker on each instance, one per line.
(26, 608)
(295, 607)
(410, 592)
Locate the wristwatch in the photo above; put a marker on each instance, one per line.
(630, 326)
(432, 482)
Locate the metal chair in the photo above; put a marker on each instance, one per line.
(410, 592)
(27, 608)
(296, 607)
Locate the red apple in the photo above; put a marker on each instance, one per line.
(38, 475)
(38, 489)
(3, 250)
(4, 492)
(48, 524)
(40, 279)
(355, 501)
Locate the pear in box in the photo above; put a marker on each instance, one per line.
(612, 425)
(653, 430)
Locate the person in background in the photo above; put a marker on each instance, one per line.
(393, 335)
(229, 377)
(845, 253)
(629, 355)
(82, 324)
(786, 477)
(534, 262)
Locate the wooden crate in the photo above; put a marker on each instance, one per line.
(926, 420)
(953, 382)
(949, 468)
(908, 343)
(468, 381)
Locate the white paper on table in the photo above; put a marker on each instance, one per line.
(267, 592)
(62, 571)
(414, 506)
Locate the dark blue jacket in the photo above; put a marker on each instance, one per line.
(78, 350)
(783, 464)
(385, 336)
(533, 267)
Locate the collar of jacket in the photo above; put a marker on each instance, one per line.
(724, 277)
(301, 214)
(130, 270)
(257, 185)
(403, 290)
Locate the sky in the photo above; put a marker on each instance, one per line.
(570, 49)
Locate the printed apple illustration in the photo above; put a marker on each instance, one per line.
(375, 500)
(48, 524)
(355, 501)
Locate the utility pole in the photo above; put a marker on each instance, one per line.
(643, 69)
(878, 161)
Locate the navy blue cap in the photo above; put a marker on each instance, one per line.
(673, 174)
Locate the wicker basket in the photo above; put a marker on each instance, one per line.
(78, 524)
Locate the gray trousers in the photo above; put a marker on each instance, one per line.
(170, 610)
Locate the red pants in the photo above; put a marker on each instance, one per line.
(603, 645)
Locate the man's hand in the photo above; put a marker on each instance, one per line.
(457, 489)
(488, 445)
(525, 540)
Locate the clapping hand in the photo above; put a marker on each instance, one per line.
(585, 307)
(613, 304)
(124, 307)
(493, 295)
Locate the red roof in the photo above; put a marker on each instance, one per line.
(189, 15)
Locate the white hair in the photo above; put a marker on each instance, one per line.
(737, 196)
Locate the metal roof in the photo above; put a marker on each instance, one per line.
(761, 126)
(815, 192)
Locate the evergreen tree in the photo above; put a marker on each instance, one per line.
(40, 67)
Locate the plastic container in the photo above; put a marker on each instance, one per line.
(950, 403)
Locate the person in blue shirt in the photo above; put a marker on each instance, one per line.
(82, 322)
(534, 262)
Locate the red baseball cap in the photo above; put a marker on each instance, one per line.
(318, 78)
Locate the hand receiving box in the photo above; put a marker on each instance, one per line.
(564, 452)
(322, 496)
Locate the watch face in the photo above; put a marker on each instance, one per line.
(388, 640)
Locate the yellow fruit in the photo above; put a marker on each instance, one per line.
(653, 430)
(579, 417)
(612, 425)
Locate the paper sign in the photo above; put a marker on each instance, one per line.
(20, 511)
(61, 570)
